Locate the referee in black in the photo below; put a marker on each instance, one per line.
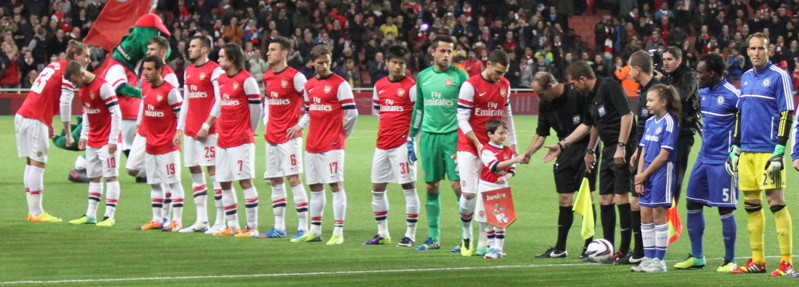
(563, 109)
(611, 121)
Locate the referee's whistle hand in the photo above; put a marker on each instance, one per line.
(619, 157)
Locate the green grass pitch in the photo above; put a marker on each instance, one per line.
(62, 254)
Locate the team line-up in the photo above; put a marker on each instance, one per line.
(460, 124)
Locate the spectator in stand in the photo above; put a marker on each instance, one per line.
(472, 65)
(735, 66)
(377, 68)
(654, 41)
(234, 32)
(389, 27)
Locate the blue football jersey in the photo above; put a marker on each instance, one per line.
(660, 133)
(718, 111)
(764, 95)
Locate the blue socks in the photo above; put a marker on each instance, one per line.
(696, 229)
(728, 230)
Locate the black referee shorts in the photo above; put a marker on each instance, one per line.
(569, 169)
(615, 179)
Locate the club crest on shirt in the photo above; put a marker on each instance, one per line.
(658, 130)
(449, 82)
(284, 84)
(92, 95)
(601, 110)
(502, 92)
(720, 100)
(159, 98)
(576, 120)
(766, 82)
(86, 104)
(400, 92)
(328, 88)
(235, 86)
(202, 76)
(505, 157)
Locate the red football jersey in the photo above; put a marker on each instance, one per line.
(233, 124)
(326, 99)
(169, 77)
(159, 117)
(486, 100)
(284, 92)
(46, 92)
(98, 97)
(199, 95)
(491, 156)
(394, 102)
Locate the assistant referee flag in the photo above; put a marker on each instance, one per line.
(582, 205)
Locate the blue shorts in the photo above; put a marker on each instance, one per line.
(711, 185)
(659, 187)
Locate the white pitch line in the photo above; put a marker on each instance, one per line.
(347, 272)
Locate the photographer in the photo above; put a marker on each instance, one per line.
(684, 80)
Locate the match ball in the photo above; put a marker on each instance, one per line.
(599, 251)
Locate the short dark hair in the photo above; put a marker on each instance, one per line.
(397, 52)
(643, 60)
(159, 63)
(544, 80)
(581, 69)
(671, 96)
(234, 54)
(499, 57)
(714, 62)
(493, 124)
(73, 68)
(204, 41)
(319, 51)
(758, 35)
(162, 42)
(441, 38)
(284, 43)
(674, 51)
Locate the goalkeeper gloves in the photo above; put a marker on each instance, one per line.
(732, 160)
(411, 151)
(774, 164)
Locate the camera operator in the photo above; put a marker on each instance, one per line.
(682, 78)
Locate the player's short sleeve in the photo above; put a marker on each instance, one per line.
(489, 159)
(175, 100)
(585, 100)
(251, 87)
(466, 96)
(299, 82)
(669, 137)
(116, 76)
(107, 93)
(345, 96)
(412, 94)
(172, 79)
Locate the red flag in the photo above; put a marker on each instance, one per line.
(498, 205)
(114, 22)
(675, 225)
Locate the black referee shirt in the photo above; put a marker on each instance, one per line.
(563, 114)
(608, 104)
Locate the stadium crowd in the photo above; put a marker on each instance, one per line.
(536, 34)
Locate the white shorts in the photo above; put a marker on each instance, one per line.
(162, 168)
(199, 153)
(136, 155)
(100, 164)
(128, 134)
(469, 168)
(235, 163)
(479, 208)
(325, 168)
(392, 166)
(284, 159)
(32, 138)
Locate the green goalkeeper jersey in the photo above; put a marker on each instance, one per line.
(436, 105)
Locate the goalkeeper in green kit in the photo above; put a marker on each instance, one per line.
(435, 114)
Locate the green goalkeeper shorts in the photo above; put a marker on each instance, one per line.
(438, 156)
